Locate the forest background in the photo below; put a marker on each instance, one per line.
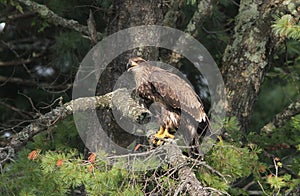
(254, 43)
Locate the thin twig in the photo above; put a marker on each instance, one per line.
(24, 82)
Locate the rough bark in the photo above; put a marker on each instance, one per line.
(248, 55)
(186, 175)
(126, 14)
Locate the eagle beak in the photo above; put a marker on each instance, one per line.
(131, 64)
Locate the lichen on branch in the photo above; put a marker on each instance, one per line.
(119, 99)
(53, 18)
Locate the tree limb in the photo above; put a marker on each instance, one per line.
(203, 10)
(51, 17)
(129, 108)
(178, 161)
(280, 118)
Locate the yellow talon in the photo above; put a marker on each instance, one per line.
(161, 134)
(167, 134)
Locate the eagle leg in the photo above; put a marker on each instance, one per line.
(162, 134)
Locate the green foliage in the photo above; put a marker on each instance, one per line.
(278, 182)
(63, 169)
(58, 168)
(286, 26)
(212, 180)
(191, 2)
(231, 125)
(233, 161)
(57, 173)
(62, 137)
(13, 3)
(281, 142)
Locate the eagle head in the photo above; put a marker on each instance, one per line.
(134, 62)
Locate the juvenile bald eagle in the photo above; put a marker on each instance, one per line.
(181, 106)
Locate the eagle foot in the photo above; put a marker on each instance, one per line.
(161, 135)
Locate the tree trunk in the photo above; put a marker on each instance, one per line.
(247, 57)
(126, 14)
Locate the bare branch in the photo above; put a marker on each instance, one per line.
(15, 109)
(45, 12)
(129, 108)
(6, 154)
(280, 118)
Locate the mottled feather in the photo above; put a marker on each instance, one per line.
(174, 93)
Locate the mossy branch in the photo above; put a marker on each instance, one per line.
(53, 18)
(119, 99)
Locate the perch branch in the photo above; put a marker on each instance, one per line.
(51, 17)
(177, 160)
(129, 108)
(280, 118)
(122, 101)
(170, 154)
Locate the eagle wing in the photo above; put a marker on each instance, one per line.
(177, 93)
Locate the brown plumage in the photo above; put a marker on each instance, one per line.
(175, 95)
